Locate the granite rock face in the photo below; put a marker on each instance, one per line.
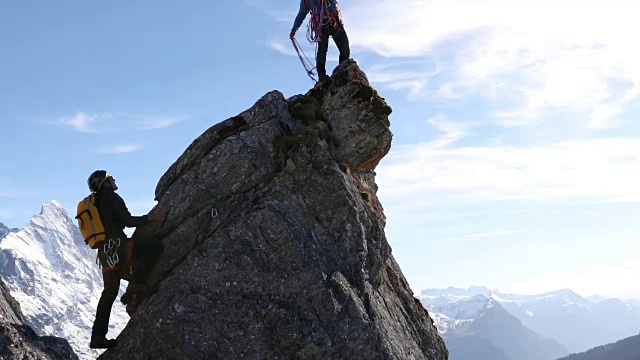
(19, 341)
(274, 240)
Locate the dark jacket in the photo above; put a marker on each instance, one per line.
(114, 214)
(302, 13)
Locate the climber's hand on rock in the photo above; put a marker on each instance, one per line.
(156, 216)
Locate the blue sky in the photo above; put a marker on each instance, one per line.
(515, 160)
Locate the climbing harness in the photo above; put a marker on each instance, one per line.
(111, 248)
(308, 66)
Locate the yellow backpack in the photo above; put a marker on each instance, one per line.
(89, 222)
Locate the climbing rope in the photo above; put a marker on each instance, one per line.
(314, 28)
(320, 16)
(308, 66)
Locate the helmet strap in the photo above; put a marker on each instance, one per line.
(102, 182)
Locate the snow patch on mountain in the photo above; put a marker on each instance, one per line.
(53, 275)
(464, 308)
(452, 313)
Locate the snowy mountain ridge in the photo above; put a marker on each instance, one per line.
(53, 275)
(478, 327)
(455, 314)
(464, 308)
(4, 231)
(578, 323)
(562, 297)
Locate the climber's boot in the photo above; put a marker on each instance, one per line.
(101, 342)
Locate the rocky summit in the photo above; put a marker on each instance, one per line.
(19, 341)
(274, 240)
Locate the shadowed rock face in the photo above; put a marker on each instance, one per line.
(274, 240)
(19, 341)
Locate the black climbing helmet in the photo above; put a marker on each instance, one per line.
(96, 179)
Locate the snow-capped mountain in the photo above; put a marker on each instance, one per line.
(466, 308)
(4, 230)
(452, 316)
(478, 327)
(53, 275)
(574, 321)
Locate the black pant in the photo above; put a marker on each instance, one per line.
(145, 253)
(342, 42)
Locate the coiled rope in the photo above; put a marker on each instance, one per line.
(308, 65)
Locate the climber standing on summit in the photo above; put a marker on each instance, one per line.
(115, 249)
(325, 21)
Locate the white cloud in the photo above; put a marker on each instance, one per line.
(121, 149)
(413, 76)
(81, 121)
(283, 47)
(595, 170)
(101, 123)
(532, 55)
(158, 123)
(452, 131)
(497, 233)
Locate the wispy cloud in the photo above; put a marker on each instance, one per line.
(121, 149)
(285, 47)
(497, 233)
(282, 47)
(578, 58)
(103, 123)
(158, 123)
(592, 170)
(451, 131)
(81, 121)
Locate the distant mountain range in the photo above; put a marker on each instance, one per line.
(52, 273)
(479, 328)
(627, 349)
(562, 320)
